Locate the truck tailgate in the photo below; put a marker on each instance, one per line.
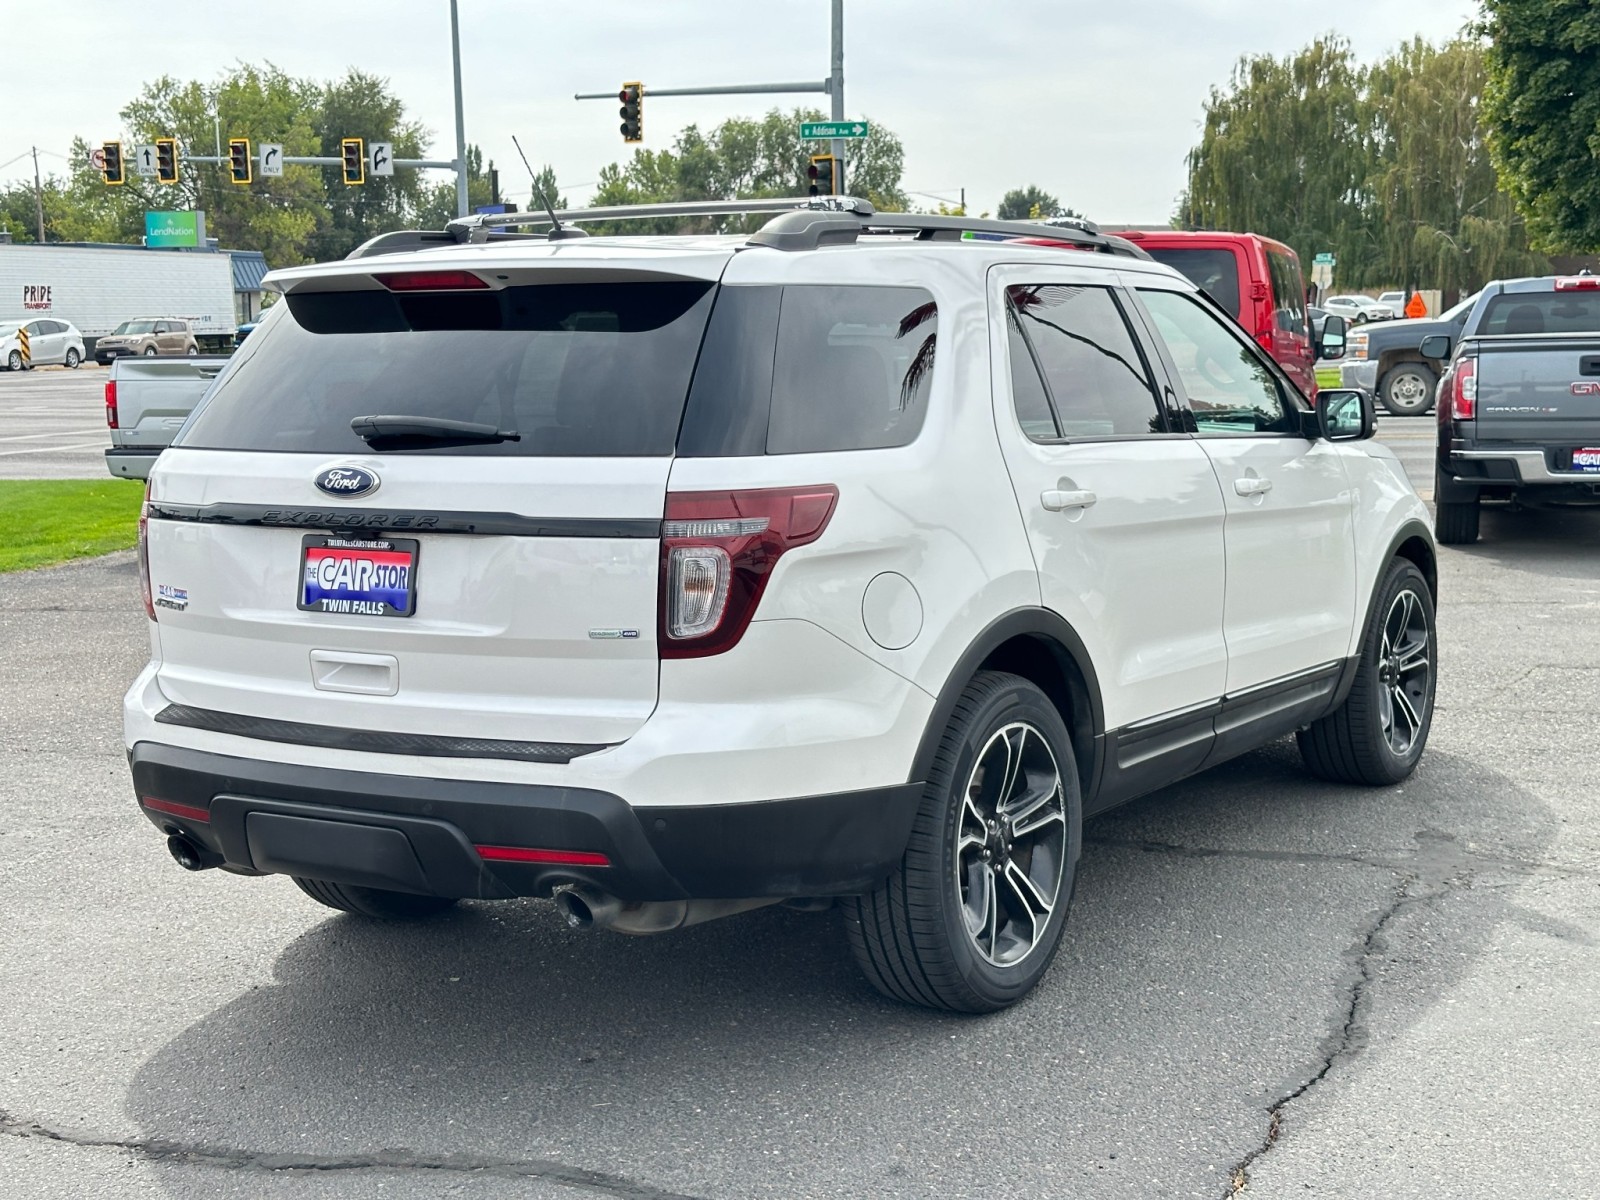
(1539, 389)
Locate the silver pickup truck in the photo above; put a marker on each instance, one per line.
(1519, 407)
(147, 402)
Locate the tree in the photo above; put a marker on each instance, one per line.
(1440, 214)
(1031, 203)
(1542, 107)
(744, 158)
(1285, 151)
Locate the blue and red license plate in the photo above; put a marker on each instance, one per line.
(374, 577)
(1586, 459)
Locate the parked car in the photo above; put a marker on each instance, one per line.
(1387, 358)
(1358, 310)
(147, 335)
(1256, 280)
(50, 343)
(244, 331)
(147, 402)
(1395, 302)
(674, 578)
(1519, 407)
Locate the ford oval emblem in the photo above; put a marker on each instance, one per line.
(347, 481)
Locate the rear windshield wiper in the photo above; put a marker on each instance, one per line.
(390, 432)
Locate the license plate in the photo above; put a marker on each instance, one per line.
(1586, 458)
(363, 577)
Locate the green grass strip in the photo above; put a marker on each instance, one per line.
(1327, 377)
(44, 521)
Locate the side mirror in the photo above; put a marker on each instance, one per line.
(1436, 345)
(1342, 415)
(1331, 343)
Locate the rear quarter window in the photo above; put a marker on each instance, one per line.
(1215, 269)
(811, 368)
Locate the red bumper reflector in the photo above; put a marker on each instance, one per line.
(187, 811)
(523, 854)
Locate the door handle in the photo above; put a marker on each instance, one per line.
(1250, 486)
(1057, 501)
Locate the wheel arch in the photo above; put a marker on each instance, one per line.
(1413, 542)
(1042, 647)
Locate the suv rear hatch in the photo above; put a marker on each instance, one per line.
(451, 587)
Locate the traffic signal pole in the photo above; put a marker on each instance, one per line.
(833, 86)
(461, 121)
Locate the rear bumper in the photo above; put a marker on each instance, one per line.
(1513, 466)
(104, 354)
(126, 463)
(417, 834)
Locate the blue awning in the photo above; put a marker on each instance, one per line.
(249, 268)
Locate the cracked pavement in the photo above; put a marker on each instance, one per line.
(1268, 983)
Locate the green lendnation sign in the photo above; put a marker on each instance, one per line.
(826, 130)
(174, 229)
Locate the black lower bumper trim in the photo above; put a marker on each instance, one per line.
(333, 737)
(417, 834)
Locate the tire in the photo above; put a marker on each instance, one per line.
(912, 936)
(149, 351)
(1407, 390)
(14, 361)
(72, 359)
(1456, 524)
(372, 902)
(1353, 744)
(1359, 319)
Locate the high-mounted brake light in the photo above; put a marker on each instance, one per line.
(717, 550)
(431, 281)
(1464, 390)
(111, 404)
(1578, 283)
(144, 552)
(528, 854)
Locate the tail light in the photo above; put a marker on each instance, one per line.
(1578, 283)
(431, 281)
(111, 404)
(717, 550)
(1464, 390)
(144, 552)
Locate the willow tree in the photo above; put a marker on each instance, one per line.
(1286, 151)
(1442, 219)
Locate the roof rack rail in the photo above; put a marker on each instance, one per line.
(798, 227)
(475, 228)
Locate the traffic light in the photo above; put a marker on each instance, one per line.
(111, 170)
(353, 153)
(166, 160)
(632, 111)
(823, 176)
(239, 165)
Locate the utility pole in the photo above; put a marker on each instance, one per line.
(836, 89)
(38, 195)
(461, 121)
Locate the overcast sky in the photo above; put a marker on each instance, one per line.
(1095, 102)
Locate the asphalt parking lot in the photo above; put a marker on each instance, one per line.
(53, 423)
(1339, 992)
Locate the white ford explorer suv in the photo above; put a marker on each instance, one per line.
(861, 558)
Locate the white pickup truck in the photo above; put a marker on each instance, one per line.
(147, 402)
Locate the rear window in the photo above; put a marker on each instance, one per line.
(809, 368)
(1543, 312)
(578, 370)
(1215, 270)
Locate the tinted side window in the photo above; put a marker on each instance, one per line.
(852, 368)
(1230, 388)
(1093, 371)
(1028, 396)
(1288, 293)
(1215, 269)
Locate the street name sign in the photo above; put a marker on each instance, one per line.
(827, 130)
